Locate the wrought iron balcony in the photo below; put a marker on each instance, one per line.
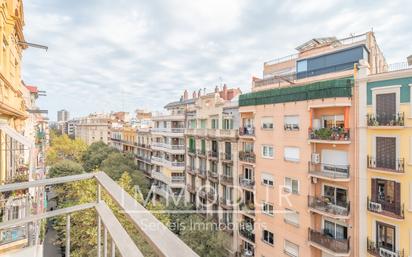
(386, 120)
(323, 204)
(246, 182)
(248, 208)
(386, 164)
(379, 251)
(191, 151)
(201, 172)
(226, 179)
(247, 131)
(201, 153)
(191, 170)
(246, 231)
(213, 155)
(162, 239)
(226, 157)
(249, 157)
(393, 210)
(213, 176)
(226, 203)
(325, 240)
(329, 171)
(329, 134)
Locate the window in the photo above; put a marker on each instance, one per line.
(336, 196)
(335, 230)
(192, 124)
(267, 123)
(227, 123)
(267, 151)
(333, 121)
(291, 217)
(267, 208)
(385, 236)
(292, 154)
(268, 237)
(267, 179)
(203, 124)
(291, 122)
(214, 123)
(291, 185)
(291, 249)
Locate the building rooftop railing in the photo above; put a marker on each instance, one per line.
(158, 236)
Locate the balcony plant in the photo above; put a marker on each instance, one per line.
(323, 133)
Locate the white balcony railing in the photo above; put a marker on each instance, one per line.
(168, 146)
(169, 130)
(164, 241)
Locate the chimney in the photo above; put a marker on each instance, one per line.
(225, 92)
(185, 95)
(216, 89)
(194, 95)
(409, 58)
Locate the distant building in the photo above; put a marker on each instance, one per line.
(63, 115)
(71, 127)
(93, 128)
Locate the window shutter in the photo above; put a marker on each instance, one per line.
(374, 193)
(398, 198)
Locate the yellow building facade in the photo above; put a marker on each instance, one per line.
(389, 164)
(12, 106)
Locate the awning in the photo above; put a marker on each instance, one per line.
(16, 135)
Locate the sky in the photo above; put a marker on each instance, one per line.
(123, 55)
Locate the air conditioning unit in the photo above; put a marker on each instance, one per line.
(376, 207)
(387, 253)
(315, 158)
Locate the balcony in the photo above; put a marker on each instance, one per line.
(329, 171)
(191, 188)
(226, 203)
(176, 132)
(248, 208)
(323, 241)
(212, 196)
(246, 231)
(379, 250)
(177, 149)
(247, 252)
(226, 179)
(174, 165)
(161, 239)
(386, 120)
(191, 151)
(329, 135)
(143, 158)
(201, 173)
(249, 157)
(213, 176)
(202, 193)
(247, 131)
(246, 183)
(201, 153)
(191, 170)
(213, 155)
(392, 210)
(323, 205)
(226, 157)
(386, 164)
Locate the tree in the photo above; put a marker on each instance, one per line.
(65, 168)
(64, 148)
(95, 154)
(116, 163)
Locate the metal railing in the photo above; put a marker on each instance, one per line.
(386, 163)
(246, 131)
(213, 154)
(246, 182)
(227, 179)
(161, 239)
(398, 66)
(394, 210)
(386, 119)
(169, 130)
(378, 250)
(247, 156)
(331, 171)
(246, 231)
(324, 204)
(329, 134)
(324, 239)
(168, 146)
(213, 175)
(201, 172)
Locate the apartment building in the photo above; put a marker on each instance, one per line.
(298, 141)
(129, 139)
(144, 151)
(94, 128)
(387, 161)
(211, 160)
(168, 146)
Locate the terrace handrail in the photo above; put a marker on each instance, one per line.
(163, 241)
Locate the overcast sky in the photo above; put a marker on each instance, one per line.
(121, 55)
